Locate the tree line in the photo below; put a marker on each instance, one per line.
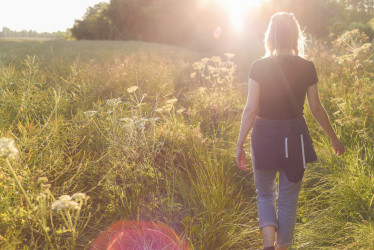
(7, 32)
(206, 24)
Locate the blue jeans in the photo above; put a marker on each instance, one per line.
(288, 194)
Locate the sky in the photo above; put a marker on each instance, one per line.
(42, 15)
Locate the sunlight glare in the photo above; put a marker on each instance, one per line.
(237, 9)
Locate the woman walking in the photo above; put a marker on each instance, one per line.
(280, 141)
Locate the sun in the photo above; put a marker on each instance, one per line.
(237, 10)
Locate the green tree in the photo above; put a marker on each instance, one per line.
(95, 24)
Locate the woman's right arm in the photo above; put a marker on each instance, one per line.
(320, 115)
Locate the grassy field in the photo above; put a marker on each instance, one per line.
(149, 132)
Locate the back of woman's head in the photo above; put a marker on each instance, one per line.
(284, 35)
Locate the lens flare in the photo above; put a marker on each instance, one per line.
(139, 235)
(217, 32)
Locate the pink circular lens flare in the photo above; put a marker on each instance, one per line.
(139, 235)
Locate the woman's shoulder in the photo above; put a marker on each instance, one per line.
(304, 60)
(269, 62)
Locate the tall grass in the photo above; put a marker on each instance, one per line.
(337, 201)
(148, 132)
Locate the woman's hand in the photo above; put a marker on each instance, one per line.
(337, 146)
(240, 158)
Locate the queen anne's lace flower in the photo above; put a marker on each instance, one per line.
(79, 196)
(65, 202)
(65, 197)
(229, 55)
(113, 102)
(7, 148)
(132, 89)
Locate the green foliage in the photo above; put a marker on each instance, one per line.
(96, 24)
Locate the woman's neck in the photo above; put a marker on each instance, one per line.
(285, 52)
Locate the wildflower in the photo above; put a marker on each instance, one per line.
(216, 59)
(65, 197)
(132, 89)
(193, 75)
(198, 66)
(90, 113)
(65, 202)
(171, 101)
(205, 60)
(7, 148)
(80, 197)
(113, 102)
(141, 122)
(229, 55)
(159, 110)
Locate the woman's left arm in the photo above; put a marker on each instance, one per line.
(248, 117)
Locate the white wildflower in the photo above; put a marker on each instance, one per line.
(193, 75)
(79, 196)
(73, 205)
(141, 122)
(229, 55)
(198, 66)
(58, 205)
(65, 202)
(171, 101)
(65, 197)
(90, 113)
(159, 110)
(7, 148)
(205, 60)
(113, 102)
(132, 89)
(61, 205)
(216, 59)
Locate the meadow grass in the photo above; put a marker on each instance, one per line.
(149, 132)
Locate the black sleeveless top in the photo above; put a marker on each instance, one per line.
(283, 81)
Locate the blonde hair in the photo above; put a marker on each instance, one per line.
(284, 34)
